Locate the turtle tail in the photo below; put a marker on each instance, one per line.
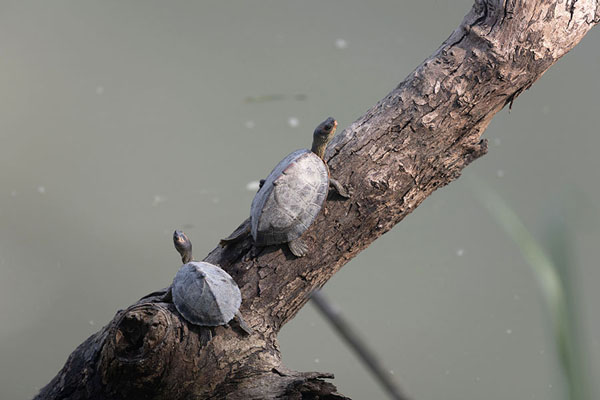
(239, 234)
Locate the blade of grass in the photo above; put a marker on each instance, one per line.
(558, 242)
(552, 289)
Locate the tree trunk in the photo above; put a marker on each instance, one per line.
(418, 138)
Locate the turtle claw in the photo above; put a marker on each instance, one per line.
(298, 247)
(345, 192)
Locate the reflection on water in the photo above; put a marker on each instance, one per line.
(124, 121)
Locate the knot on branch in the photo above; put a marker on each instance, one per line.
(139, 331)
(134, 350)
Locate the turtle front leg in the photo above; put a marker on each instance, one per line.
(298, 247)
(240, 233)
(340, 189)
(242, 323)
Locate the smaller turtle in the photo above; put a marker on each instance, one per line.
(292, 196)
(203, 293)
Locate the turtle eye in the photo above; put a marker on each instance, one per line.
(327, 127)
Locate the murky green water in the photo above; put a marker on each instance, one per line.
(121, 121)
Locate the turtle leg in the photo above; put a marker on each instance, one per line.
(338, 187)
(240, 233)
(242, 323)
(298, 247)
(168, 297)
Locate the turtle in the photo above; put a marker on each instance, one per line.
(290, 198)
(203, 293)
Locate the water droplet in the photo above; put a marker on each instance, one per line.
(477, 379)
(13, 193)
(91, 322)
(293, 122)
(497, 141)
(41, 189)
(99, 90)
(317, 361)
(516, 297)
(249, 124)
(341, 44)
(216, 200)
(447, 372)
(253, 186)
(509, 331)
(460, 252)
(391, 372)
(500, 173)
(158, 199)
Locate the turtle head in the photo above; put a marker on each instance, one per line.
(183, 246)
(323, 135)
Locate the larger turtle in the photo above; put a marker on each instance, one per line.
(203, 293)
(291, 197)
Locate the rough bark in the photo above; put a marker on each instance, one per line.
(415, 140)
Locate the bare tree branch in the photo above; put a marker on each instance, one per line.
(368, 358)
(415, 140)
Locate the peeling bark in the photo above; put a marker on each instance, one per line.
(415, 140)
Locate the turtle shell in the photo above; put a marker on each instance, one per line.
(290, 199)
(205, 294)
